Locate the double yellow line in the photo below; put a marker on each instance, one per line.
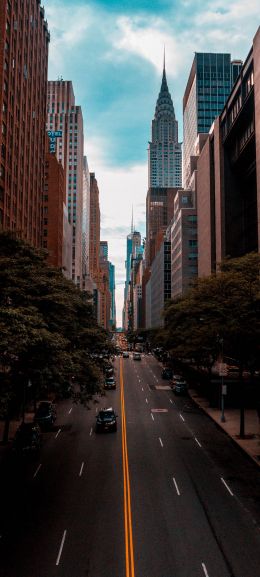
(129, 547)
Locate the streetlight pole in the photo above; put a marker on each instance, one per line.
(223, 387)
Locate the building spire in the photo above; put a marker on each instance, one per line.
(164, 59)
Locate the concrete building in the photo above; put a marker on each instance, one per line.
(94, 229)
(159, 213)
(24, 42)
(228, 177)
(53, 202)
(184, 244)
(133, 244)
(160, 283)
(112, 289)
(164, 151)
(85, 226)
(65, 118)
(209, 85)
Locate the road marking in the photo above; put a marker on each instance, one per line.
(57, 433)
(205, 569)
(70, 411)
(142, 388)
(152, 416)
(129, 546)
(176, 486)
(227, 487)
(197, 442)
(161, 441)
(182, 417)
(81, 469)
(146, 400)
(91, 431)
(37, 471)
(96, 409)
(171, 401)
(159, 410)
(61, 547)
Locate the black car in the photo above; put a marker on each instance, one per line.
(110, 382)
(167, 373)
(45, 415)
(106, 420)
(28, 438)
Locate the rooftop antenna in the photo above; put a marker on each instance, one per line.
(164, 58)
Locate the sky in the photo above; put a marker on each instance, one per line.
(112, 50)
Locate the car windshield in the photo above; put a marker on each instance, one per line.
(105, 415)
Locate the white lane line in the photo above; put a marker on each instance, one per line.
(91, 431)
(96, 409)
(70, 411)
(182, 418)
(37, 470)
(57, 433)
(61, 547)
(146, 400)
(227, 487)
(81, 469)
(205, 569)
(152, 416)
(142, 388)
(171, 401)
(176, 486)
(161, 441)
(197, 442)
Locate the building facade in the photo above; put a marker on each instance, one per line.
(159, 213)
(184, 243)
(85, 225)
(228, 178)
(24, 42)
(53, 203)
(65, 118)
(94, 228)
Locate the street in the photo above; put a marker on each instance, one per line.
(168, 495)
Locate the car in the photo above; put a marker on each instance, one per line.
(137, 357)
(106, 420)
(125, 354)
(45, 415)
(110, 382)
(167, 373)
(28, 438)
(179, 385)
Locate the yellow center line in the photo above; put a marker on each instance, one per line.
(129, 547)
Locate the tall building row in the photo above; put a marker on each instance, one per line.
(45, 184)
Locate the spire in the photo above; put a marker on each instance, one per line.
(164, 58)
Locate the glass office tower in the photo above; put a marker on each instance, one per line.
(209, 85)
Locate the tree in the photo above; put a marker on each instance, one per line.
(48, 330)
(223, 307)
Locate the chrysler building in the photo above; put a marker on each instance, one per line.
(164, 151)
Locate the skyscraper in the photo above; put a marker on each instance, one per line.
(24, 42)
(65, 116)
(164, 151)
(209, 84)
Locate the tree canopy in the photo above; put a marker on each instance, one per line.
(222, 309)
(47, 326)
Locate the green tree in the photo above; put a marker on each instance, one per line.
(225, 308)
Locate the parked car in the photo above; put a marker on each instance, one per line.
(28, 438)
(106, 420)
(137, 357)
(110, 382)
(45, 415)
(167, 373)
(125, 354)
(179, 385)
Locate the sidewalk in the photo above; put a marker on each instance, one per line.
(251, 443)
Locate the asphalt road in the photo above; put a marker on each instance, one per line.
(168, 495)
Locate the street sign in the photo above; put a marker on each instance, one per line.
(224, 389)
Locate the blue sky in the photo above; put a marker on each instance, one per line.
(113, 52)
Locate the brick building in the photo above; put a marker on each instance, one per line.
(24, 41)
(53, 202)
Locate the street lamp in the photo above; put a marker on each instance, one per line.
(222, 374)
